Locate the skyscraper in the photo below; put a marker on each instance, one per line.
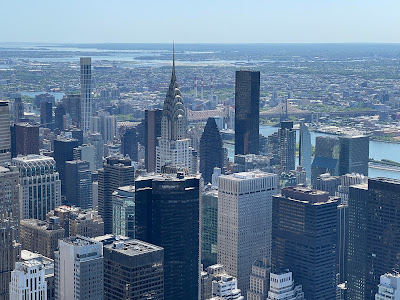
(97, 141)
(142, 265)
(123, 206)
(209, 227)
(304, 239)
(79, 269)
(9, 195)
(282, 287)
(59, 114)
(5, 137)
(247, 112)
(86, 93)
(78, 184)
(259, 280)
(173, 144)
(18, 110)
(87, 153)
(282, 147)
(129, 143)
(389, 287)
(40, 185)
(116, 172)
(353, 154)
(305, 150)
(152, 133)
(326, 159)
(167, 215)
(46, 113)
(211, 151)
(27, 138)
(244, 222)
(72, 105)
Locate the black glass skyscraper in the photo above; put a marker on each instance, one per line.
(247, 112)
(167, 215)
(129, 143)
(152, 132)
(353, 155)
(211, 152)
(78, 183)
(46, 114)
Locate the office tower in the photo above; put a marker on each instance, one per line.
(129, 143)
(28, 281)
(63, 152)
(305, 150)
(304, 238)
(326, 157)
(116, 172)
(5, 137)
(357, 235)
(59, 114)
(389, 287)
(326, 182)
(259, 280)
(225, 287)
(206, 279)
(44, 97)
(152, 132)
(86, 153)
(167, 215)
(9, 195)
(78, 184)
(18, 110)
(27, 139)
(78, 266)
(143, 267)
(244, 222)
(345, 182)
(282, 147)
(48, 267)
(74, 133)
(86, 93)
(251, 162)
(72, 106)
(40, 185)
(41, 236)
(97, 141)
(353, 154)
(209, 227)
(10, 251)
(173, 144)
(282, 287)
(342, 242)
(46, 113)
(123, 207)
(247, 112)
(211, 151)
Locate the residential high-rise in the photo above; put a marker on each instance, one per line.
(173, 144)
(259, 280)
(97, 141)
(247, 112)
(78, 266)
(9, 195)
(40, 185)
(46, 114)
(167, 215)
(305, 150)
(142, 265)
(10, 251)
(209, 227)
(18, 110)
(72, 105)
(282, 287)
(78, 184)
(28, 281)
(244, 222)
(282, 147)
(353, 155)
(389, 287)
(86, 93)
(129, 143)
(5, 136)
(41, 236)
(211, 150)
(357, 235)
(105, 124)
(304, 238)
(27, 138)
(123, 206)
(59, 114)
(116, 172)
(152, 133)
(63, 152)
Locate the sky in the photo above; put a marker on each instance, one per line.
(201, 21)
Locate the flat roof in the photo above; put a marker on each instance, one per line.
(132, 247)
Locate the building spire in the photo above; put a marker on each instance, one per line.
(173, 57)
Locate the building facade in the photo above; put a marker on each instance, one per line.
(123, 203)
(305, 150)
(78, 184)
(86, 93)
(27, 138)
(152, 133)
(389, 287)
(259, 280)
(5, 136)
(209, 227)
(282, 287)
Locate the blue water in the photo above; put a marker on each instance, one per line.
(377, 150)
(56, 95)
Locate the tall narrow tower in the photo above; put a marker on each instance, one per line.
(195, 87)
(86, 93)
(5, 137)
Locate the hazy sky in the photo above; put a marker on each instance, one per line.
(201, 21)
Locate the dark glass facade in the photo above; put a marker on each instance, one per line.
(247, 112)
(354, 155)
(152, 132)
(78, 182)
(167, 211)
(211, 152)
(209, 228)
(46, 113)
(129, 143)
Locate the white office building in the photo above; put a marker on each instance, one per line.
(225, 287)
(28, 281)
(389, 287)
(86, 93)
(40, 185)
(282, 287)
(244, 222)
(78, 267)
(86, 153)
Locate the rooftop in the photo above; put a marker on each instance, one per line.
(80, 241)
(301, 193)
(247, 175)
(132, 247)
